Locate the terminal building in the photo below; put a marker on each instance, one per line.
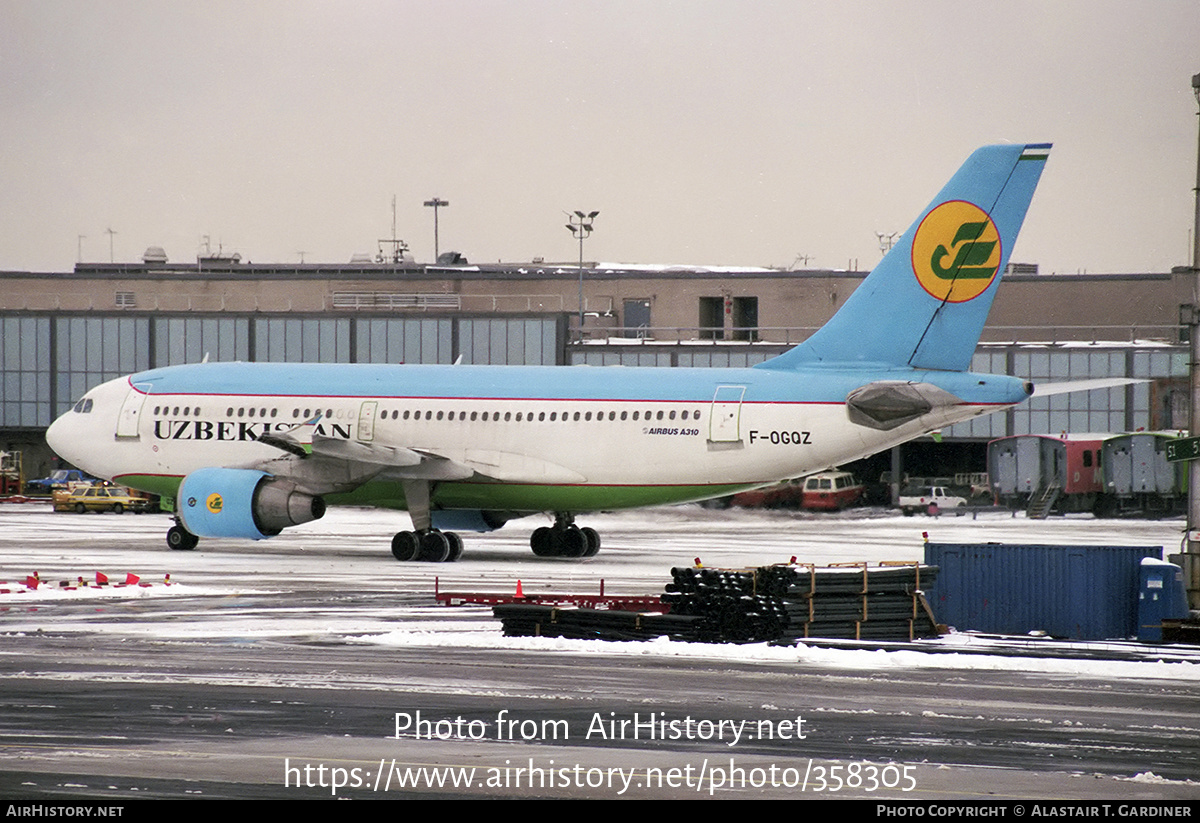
(64, 332)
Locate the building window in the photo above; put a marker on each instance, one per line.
(745, 318)
(712, 318)
(637, 318)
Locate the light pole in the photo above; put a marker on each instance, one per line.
(1191, 562)
(436, 203)
(580, 230)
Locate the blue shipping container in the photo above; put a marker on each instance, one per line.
(1079, 592)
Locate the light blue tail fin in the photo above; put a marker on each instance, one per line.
(925, 304)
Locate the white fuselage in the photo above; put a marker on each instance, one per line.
(645, 436)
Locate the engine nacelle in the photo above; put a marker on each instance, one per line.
(467, 520)
(242, 503)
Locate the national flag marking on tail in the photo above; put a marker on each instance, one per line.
(1039, 151)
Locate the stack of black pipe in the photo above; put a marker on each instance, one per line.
(864, 603)
(526, 620)
(771, 603)
(787, 602)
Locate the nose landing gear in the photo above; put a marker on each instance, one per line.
(180, 539)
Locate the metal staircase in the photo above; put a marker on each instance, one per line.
(1043, 500)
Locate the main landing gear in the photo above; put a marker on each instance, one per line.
(564, 539)
(424, 542)
(430, 545)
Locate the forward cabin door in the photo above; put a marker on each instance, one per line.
(131, 412)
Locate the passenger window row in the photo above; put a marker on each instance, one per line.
(461, 416)
(176, 411)
(539, 417)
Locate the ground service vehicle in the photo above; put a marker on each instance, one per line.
(831, 491)
(58, 479)
(931, 499)
(99, 498)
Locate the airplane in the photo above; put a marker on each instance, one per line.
(244, 450)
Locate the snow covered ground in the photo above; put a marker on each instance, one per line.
(225, 587)
(265, 641)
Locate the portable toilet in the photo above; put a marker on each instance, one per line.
(1161, 596)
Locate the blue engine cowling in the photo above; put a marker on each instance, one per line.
(467, 520)
(242, 503)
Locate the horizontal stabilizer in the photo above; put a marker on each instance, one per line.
(1066, 387)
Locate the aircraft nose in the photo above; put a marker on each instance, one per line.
(59, 438)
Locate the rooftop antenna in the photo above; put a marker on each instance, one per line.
(399, 247)
(110, 234)
(79, 248)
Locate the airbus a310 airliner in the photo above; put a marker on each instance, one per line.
(248, 449)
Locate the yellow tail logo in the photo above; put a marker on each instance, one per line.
(956, 252)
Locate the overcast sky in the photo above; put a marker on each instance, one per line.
(705, 132)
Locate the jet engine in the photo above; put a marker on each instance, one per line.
(242, 503)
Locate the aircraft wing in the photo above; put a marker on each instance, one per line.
(518, 468)
(322, 465)
(413, 463)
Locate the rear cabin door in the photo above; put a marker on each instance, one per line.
(724, 424)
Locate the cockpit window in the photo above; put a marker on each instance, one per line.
(83, 406)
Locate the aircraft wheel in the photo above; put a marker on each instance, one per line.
(181, 540)
(542, 542)
(572, 542)
(456, 546)
(405, 546)
(435, 547)
(591, 540)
